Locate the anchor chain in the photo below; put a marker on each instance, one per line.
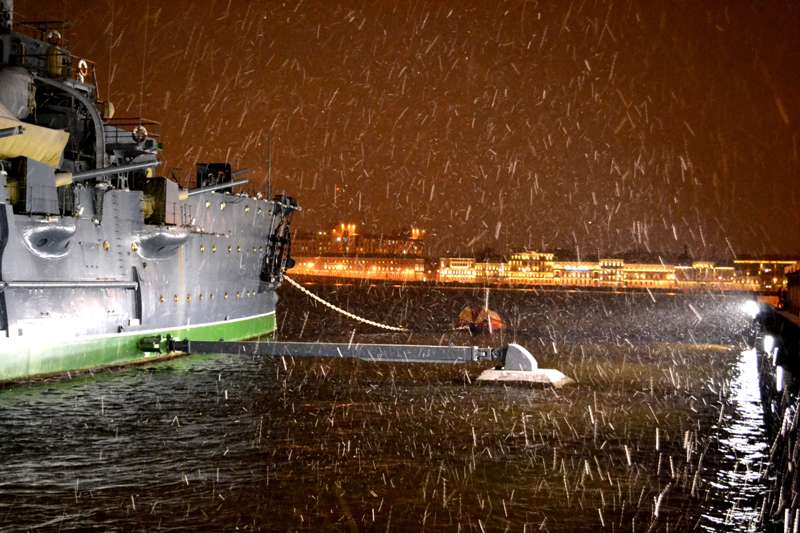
(339, 309)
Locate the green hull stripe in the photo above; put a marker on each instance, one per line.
(20, 361)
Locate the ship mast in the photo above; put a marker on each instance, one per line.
(269, 167)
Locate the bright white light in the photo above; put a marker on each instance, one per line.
(769, 343)
(751, 307)
(779, 379)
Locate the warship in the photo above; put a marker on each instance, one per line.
(102, 261)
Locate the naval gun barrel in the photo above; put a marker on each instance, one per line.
(9, 132)
(241, 172)
(212, 188)
(107, 171)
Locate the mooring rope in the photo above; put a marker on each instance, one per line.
(339, 309)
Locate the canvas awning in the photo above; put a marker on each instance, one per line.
(36, 142)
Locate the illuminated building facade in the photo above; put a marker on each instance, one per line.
(343, 251)
(531, 265)
(538, 268)
(457, 269)
(346, 240)
(767, 273)
(491, 269)
(542, 268)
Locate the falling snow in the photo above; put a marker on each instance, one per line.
(664, 126)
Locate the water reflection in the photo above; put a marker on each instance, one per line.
(743, 442)
(216, 442)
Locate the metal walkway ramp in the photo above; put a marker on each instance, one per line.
(513, 363)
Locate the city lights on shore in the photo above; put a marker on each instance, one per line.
(346, 252)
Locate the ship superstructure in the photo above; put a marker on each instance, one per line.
(101, 259)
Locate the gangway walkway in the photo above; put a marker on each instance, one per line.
(513, 363)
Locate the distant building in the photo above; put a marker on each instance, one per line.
(575, 273)
(612, 272)
(491, 269)
(542, 268)
(346, 240)
(457, 269)
(649, 275)
(345, 252)
(706, 272)
(531, 266)
(768, 274)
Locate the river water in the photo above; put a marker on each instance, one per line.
(662, 431)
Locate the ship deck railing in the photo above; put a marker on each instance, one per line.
(76, 68)
(124, 126)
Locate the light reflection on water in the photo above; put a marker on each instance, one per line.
(743, 442)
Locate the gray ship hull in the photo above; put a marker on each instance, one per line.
(82, 292)
(101, 260)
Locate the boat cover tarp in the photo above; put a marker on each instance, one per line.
(41, 144)
(480, 319)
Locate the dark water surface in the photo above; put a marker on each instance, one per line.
(662, 431)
